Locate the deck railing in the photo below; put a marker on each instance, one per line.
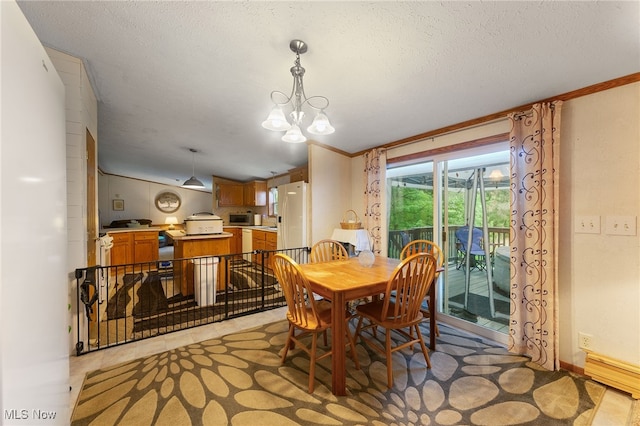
(126, 303)
(398, 239)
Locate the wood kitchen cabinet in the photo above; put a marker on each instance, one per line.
(230, 194)
(235, 243)
(134, 247)
(255, 193)
(299, 174)
(122, 250)
(145, 246)
(265, 241)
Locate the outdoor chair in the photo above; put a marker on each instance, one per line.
(328, 250)
(425, 246)
(399, 310)
(305, 314)
(476, 251)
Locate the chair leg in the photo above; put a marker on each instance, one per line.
(312, 365)
(352, 342)
(425, 351)
(358, 328)
(389, 360)
(288, 343)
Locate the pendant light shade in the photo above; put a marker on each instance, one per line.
(193, 182)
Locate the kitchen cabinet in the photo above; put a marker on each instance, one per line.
(230, 194)
(134, 247)
(255, 193)
(264, 241)
(235, 243)
(145, 246)
(299, 174)
(122, 250)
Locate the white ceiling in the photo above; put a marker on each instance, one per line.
(198, 74)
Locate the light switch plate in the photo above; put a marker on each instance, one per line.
(587, 225)
(620, 225)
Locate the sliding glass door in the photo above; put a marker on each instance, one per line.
(460, 201)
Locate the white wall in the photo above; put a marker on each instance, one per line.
(139, 200)
(34, 363)
(600, 273)
(81, 109)
(330, 185)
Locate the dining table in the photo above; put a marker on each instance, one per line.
(341, 281)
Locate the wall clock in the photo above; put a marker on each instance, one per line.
(168, 202)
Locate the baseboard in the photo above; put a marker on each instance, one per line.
(612, 372)
(572, 368)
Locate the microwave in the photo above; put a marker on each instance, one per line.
(242, 219)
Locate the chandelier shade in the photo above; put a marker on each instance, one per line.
(321, 125)
(277, 120)
(294, 135)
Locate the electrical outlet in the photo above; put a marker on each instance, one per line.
(621, 225)
(584, 340)
(587, 224)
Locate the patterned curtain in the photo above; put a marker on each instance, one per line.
(375, 220)
(535, 150)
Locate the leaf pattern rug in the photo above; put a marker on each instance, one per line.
(239, 380)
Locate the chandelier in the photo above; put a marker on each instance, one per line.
(297, 99)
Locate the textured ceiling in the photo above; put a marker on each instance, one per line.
(170, 76)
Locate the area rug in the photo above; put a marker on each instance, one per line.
(239, 380)
(478, 306)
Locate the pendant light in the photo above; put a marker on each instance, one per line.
(193, 182)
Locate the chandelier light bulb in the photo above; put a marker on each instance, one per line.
(294, 135)
(276, 120)
(321, 125)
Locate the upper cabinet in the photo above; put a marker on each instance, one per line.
(251, 194)
(255, 193)
(230, 194)
(299, 174)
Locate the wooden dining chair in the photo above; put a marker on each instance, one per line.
(399, 310)
(328, 250)
(425, 246)
(305, 314)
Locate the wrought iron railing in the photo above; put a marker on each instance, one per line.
(126, 303)
(398, 239)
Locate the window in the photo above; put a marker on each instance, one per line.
(273, 201)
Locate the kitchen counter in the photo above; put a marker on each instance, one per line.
(261, 228)
(181, 235)
(120, 230)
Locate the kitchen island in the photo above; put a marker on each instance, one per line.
(189, 246)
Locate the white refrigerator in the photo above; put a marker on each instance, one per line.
(292, 222)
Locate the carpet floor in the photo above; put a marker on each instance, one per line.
(239, 380)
